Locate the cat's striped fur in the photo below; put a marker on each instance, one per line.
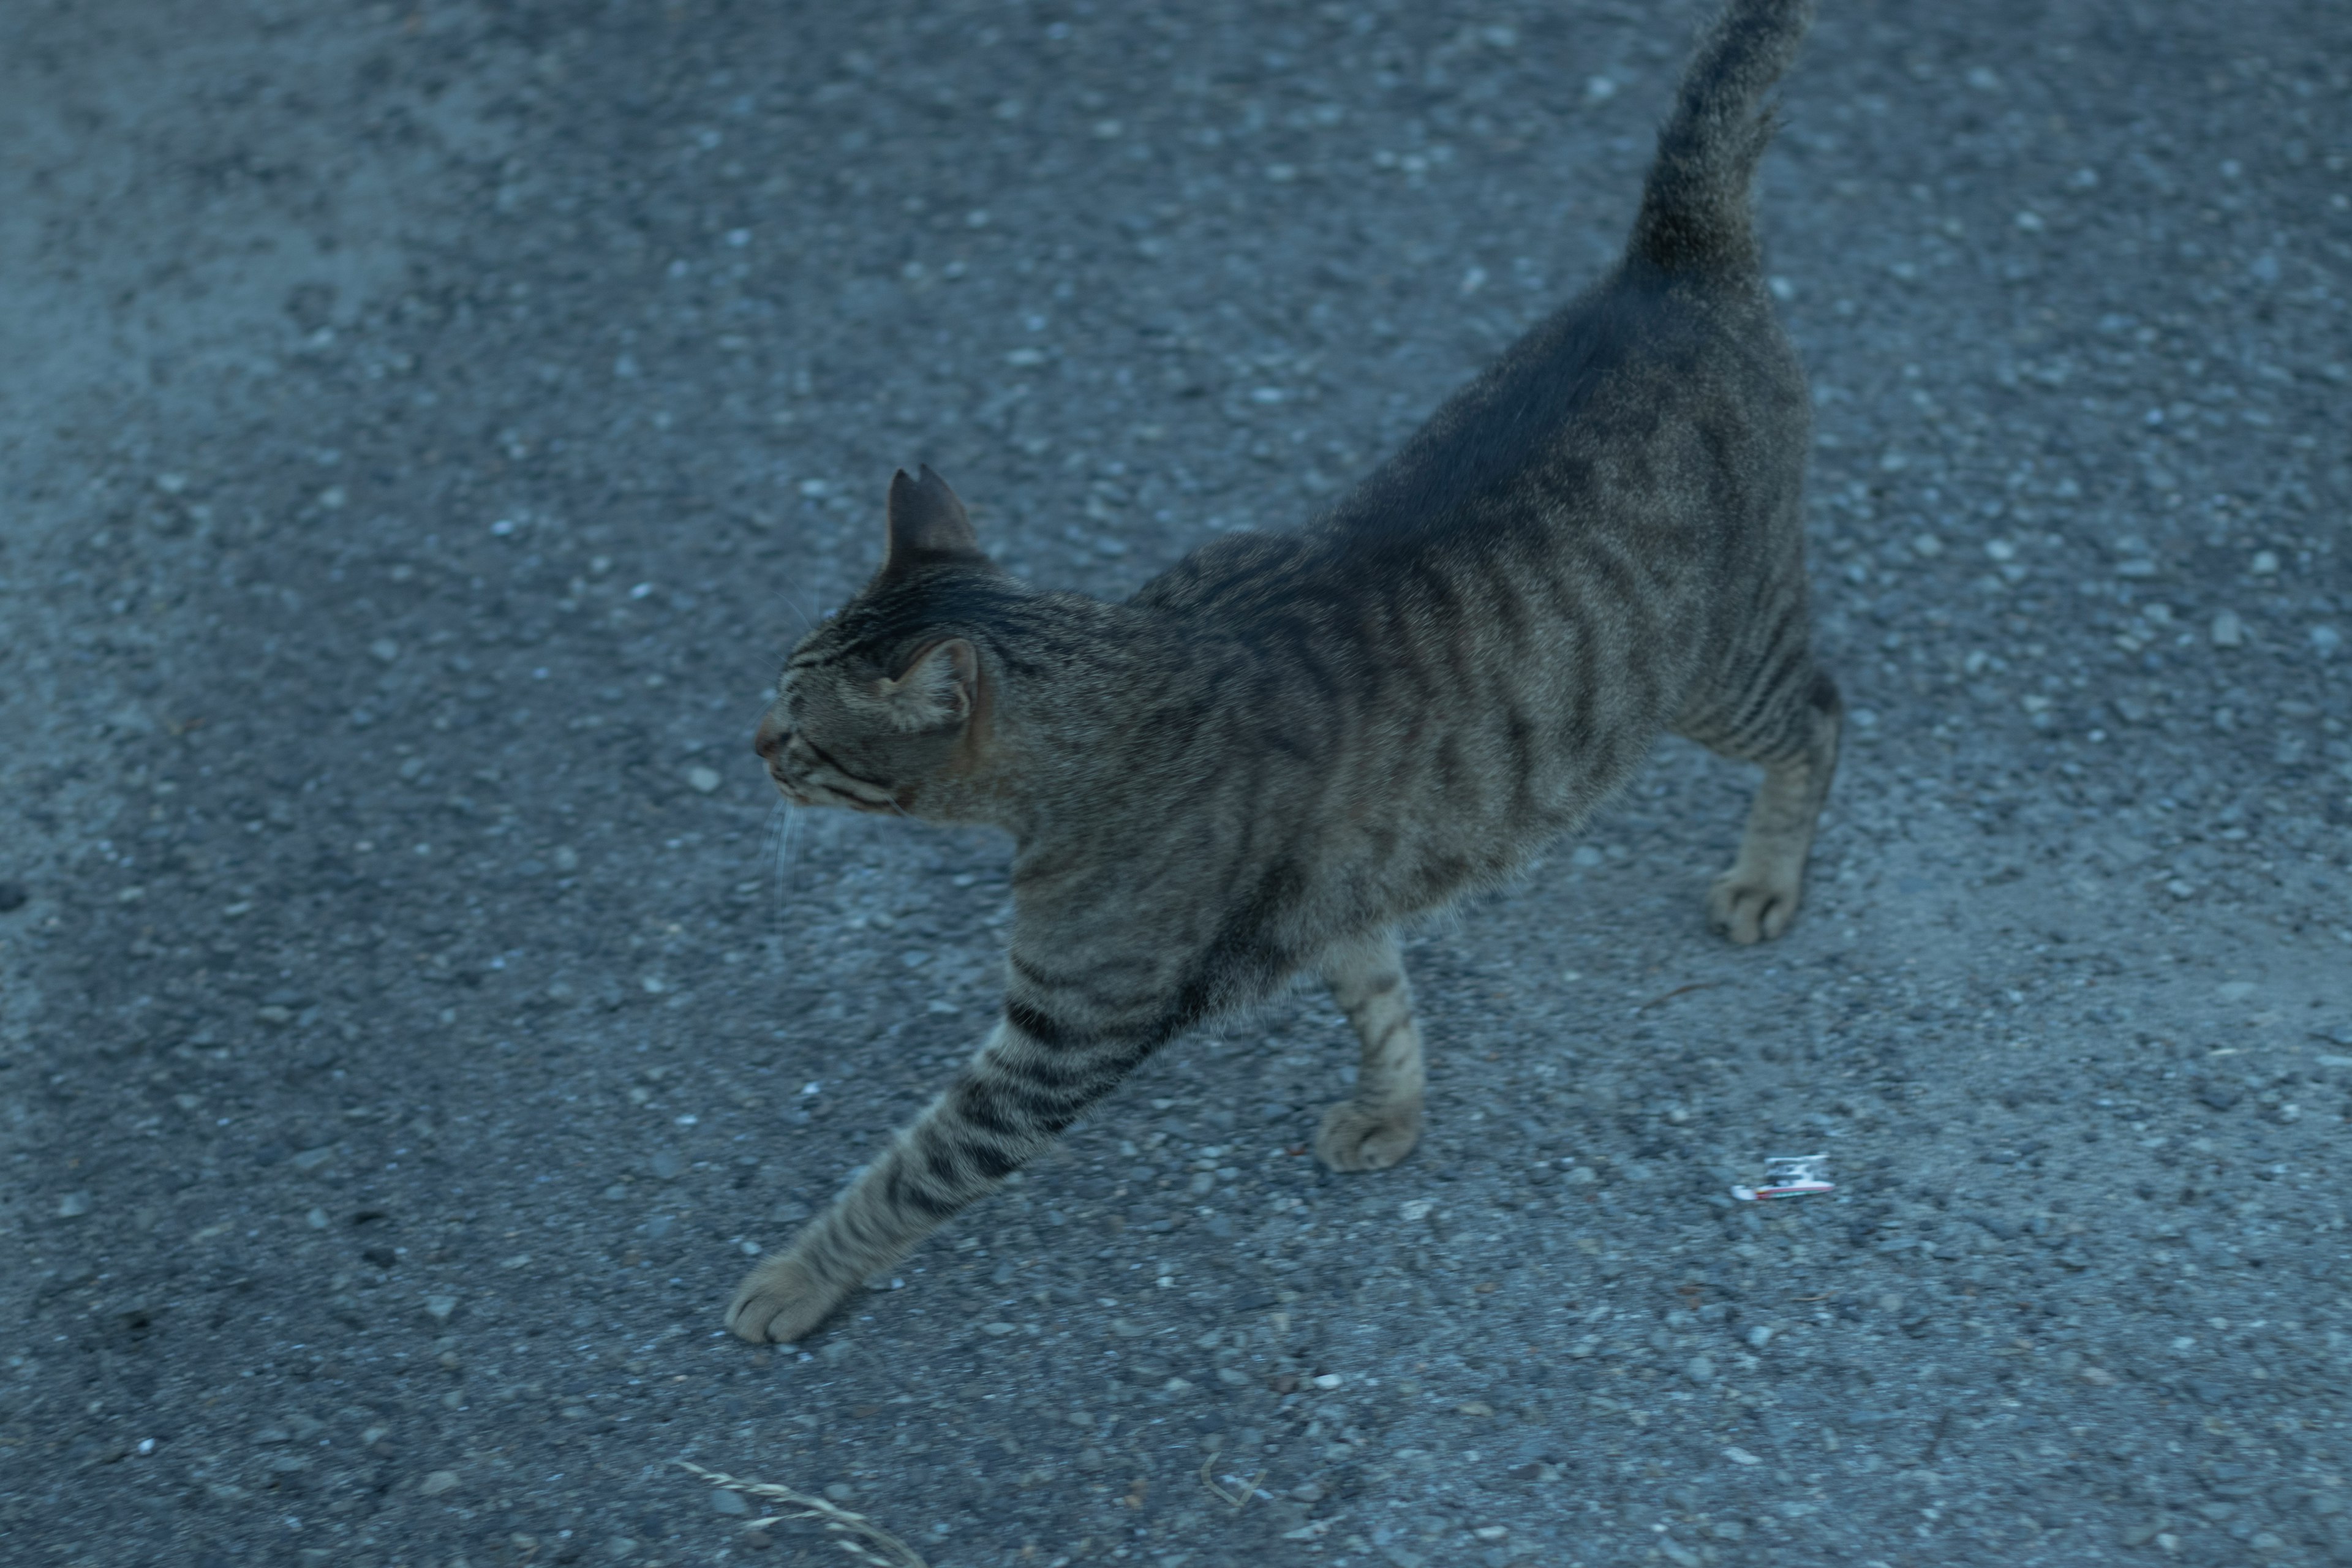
(1289, 743)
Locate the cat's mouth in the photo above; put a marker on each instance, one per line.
(821, 797)
(793, 761)
(806, 791)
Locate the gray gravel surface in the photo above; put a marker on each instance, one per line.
(424, 429)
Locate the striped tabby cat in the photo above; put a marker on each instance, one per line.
(1288, 744)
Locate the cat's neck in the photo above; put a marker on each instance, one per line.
(1063, 689)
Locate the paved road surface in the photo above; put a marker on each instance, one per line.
(424, 429)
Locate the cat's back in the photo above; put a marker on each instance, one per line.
(1532, 586)
(1650, 401)
(1228, 578)
(1651, 414)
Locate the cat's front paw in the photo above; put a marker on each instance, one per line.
(1749, 907)
(1360, 1137)
(780, 1301)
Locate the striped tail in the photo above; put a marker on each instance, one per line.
(1694, 206)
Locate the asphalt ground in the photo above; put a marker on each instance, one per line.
(422, 432)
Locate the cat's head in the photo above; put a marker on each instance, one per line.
(884, 698)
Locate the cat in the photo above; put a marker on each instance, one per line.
(1288, 743)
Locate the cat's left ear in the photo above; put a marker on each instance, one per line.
(938, 688)
(928, 524)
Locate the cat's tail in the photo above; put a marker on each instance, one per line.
(1694, 206)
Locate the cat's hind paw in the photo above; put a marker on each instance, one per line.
(1360, 1137)
(780, 1301)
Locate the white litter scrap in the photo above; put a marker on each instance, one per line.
(1789, 1176)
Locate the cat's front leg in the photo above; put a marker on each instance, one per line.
(1029, 1082)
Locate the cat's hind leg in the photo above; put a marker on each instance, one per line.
(1379, 1123)
(1792, 729)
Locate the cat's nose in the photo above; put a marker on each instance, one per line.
(768, 737)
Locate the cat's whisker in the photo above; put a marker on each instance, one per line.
(795, 834)
(783, 836)
(783, 841)
(785, 595)
(772, 835)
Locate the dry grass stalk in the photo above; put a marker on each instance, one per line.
(1248, 1489)
(867, 1543)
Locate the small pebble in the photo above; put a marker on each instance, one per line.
(437, 1483)
(704, 779)
(725, 1501)
(840, 1491)
(73, 1205)
(2228, 631)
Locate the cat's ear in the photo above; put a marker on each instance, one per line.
(938, 688)
(928, 524)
